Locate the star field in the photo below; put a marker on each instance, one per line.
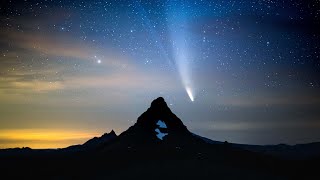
(92, 66)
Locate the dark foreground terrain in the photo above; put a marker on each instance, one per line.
(159, 146)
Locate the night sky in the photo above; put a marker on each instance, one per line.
(71, 70)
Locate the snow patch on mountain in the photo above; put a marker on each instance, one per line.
(160, 134)
(161, 124)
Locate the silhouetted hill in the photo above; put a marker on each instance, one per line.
(93, 143)
(100, 140)
(298, 151)
(157, 146)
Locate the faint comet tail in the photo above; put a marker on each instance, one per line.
(181, 43)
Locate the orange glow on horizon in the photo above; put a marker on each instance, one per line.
(43, 138)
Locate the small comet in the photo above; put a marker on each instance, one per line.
(190, 94)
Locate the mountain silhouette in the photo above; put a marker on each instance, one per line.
(157, 146)
(158, 126)
(100, 140)
(93, 143)
(151, 123)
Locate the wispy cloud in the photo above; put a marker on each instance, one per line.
(60, 45)
(39, 86)
(31, 53)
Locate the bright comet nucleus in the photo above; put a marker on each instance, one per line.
(190, 94)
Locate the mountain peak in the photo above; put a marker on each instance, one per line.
(94, 142)
(112, 133)
(158, 122)
(158, 125)
(159, 103)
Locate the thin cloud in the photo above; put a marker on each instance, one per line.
(60, 46)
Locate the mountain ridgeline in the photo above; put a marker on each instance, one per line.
(158, 146)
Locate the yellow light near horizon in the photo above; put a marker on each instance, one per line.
(43, 138)
(40, 144)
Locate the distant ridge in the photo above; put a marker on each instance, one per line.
(93, 143)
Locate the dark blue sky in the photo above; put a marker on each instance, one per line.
(87, 67)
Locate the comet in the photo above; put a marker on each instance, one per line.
(180, 40)
(189, 92)
(183, 67)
